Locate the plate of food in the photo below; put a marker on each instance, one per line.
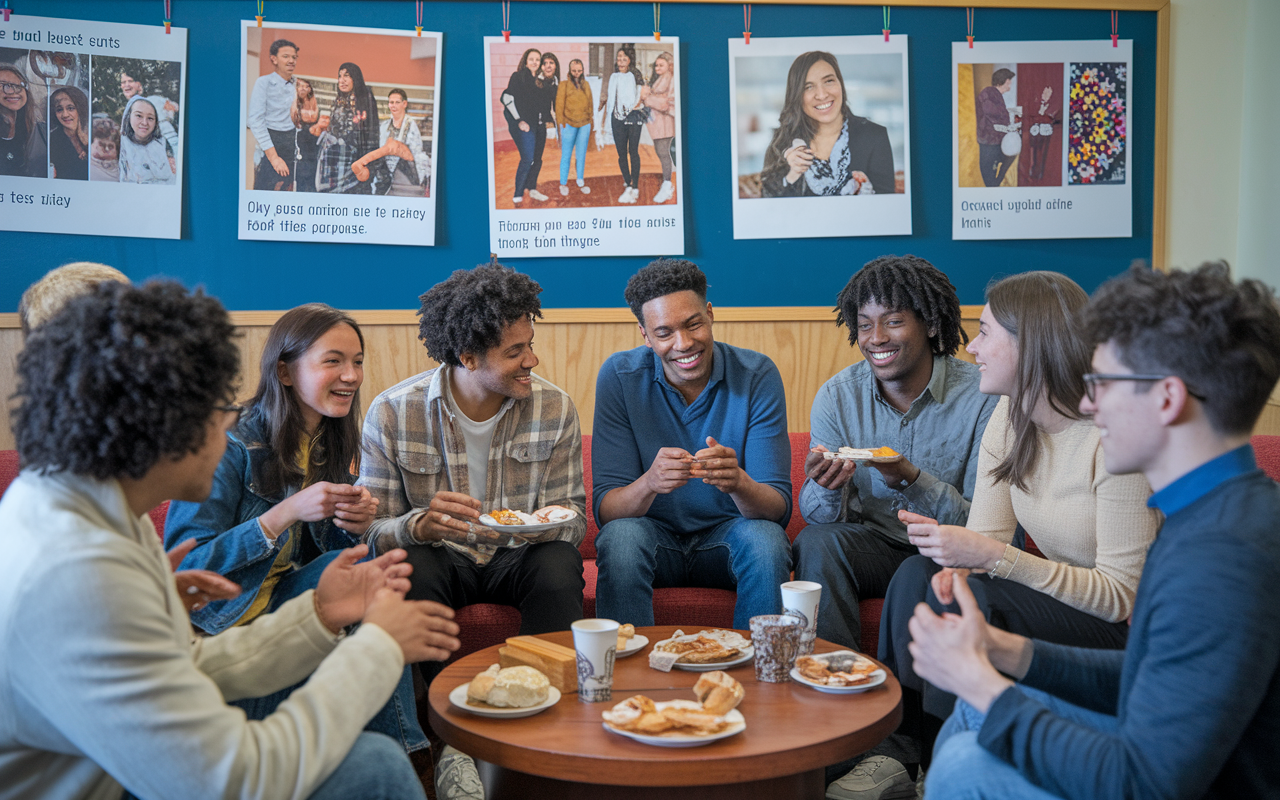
(630, 642)
(682, 723)
(544, 519)
(841, 672)
(508, 693)
(876, 455)
(701, 652)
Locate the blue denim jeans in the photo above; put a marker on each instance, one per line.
(573, 139)
(525, 144)
(638, 554)
(964, 770)
(397, 719)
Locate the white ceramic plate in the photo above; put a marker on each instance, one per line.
(743, 657)
(634, 645)
(877, 677)
(737, 724)
(458, 697)
(490, 522)
(872, 460)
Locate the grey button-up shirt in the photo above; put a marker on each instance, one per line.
(940, 433)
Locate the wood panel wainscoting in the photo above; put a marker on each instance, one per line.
(572, 344)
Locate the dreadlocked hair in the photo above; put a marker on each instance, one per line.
(905, 283)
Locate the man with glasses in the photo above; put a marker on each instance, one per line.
(1184, 364)
(23, 135)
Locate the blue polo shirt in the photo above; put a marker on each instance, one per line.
(638, 413)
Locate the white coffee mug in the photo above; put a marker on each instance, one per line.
(596, 643)
(800, 598)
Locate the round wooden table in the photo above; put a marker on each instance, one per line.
(792, 733)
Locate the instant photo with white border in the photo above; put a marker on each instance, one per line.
(97, 207)
(599, 223)
(807, 213)
(1067, 211)
(337, 216)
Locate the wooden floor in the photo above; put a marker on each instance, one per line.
(603, 176)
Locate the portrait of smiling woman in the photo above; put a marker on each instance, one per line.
(69, 134)
(22, 137)
(820, 147)
(143, 157)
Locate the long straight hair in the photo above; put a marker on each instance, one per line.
(335, 448)
(126, 124)
(81, 103)
(555, 79)
(793, 123)
(671, 66)
(1038, 309)
(27, 116)
(577, 81)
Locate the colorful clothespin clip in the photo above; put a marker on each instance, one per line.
(506, 20)
(1115, 28)
(886, 23)
(261, 13)
(6, 10)
(746, 22)
(657, 26)
(418, 26)
(168, 15)
(968, 14)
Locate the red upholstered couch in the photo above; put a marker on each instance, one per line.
(485, 624)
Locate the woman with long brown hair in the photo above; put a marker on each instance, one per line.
(821, 148)
(284, 503)
(22, 136)
(1042, 474)
(520, 109)
(69, 139)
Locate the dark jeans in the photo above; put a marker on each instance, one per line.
(543, 580)
(397, 719)
(539, 147)
(286, 147)
(626, 140)
(993, 163)
(851, 561)
(525, 141)
(1006, 604)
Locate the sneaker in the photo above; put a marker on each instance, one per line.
(626, 196)
(518, 200)
(875, 778)
(456, 777)
(584, 189)
(664, 193)
(534, 194)
(564, 190)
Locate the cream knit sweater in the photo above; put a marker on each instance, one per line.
(1093, 527)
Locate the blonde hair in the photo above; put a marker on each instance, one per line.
(47, 296)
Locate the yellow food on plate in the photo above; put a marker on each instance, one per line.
(836, 670)
(625, 634)
(719, 692)
(557, 662)
(505, 516)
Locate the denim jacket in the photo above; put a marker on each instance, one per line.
(231, 542)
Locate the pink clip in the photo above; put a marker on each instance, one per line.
(1115, 40)
(886, 34)
(970, 38)
(6, 13)
(506, 36)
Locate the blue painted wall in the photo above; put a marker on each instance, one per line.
(802, 272)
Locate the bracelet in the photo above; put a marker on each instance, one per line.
(1003, 568)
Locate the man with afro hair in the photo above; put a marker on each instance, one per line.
(124, 402)
(480, 433)
(690, 458)
(1182, 366)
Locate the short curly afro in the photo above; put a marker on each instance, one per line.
(467, 312)
(906, 283)
(121, 378)
(662, 277)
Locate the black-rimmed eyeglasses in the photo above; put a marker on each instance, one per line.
(12, 88)
(1092, 379)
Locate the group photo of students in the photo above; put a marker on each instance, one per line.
(1065, 507)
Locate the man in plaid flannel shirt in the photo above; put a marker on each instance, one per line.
(480, 432)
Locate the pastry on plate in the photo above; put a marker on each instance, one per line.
(718, 692)
(836, 670)
(512, 687)
(625, 634)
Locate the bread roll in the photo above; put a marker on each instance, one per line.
(718, 692)
(482, 684)
(513, 687)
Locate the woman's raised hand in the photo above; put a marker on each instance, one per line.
(799, 159)
(355, 516)
(316, 502)
(951, 545)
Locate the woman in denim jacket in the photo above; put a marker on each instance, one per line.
(283, 504)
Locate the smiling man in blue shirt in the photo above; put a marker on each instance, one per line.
(1191, 707)
(690, 458)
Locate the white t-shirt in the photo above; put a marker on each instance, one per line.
(479, 438)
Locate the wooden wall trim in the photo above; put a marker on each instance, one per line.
(557, 316)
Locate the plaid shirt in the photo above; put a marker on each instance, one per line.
(413, 448)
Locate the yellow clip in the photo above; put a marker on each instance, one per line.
(419, 27)
(259, 21)
(657, 36)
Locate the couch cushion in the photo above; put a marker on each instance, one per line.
(1267, 450)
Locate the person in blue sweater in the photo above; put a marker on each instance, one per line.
(1191, 707)
(690, 458)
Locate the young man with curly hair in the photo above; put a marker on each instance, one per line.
(124, 403)
(480, 432)
(909, 393)
(689, 457)
(1191, 707)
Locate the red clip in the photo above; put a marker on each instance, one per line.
(746, 22)
(886, 34)
(506, 36)
(1115, 28)
(970, 38)
(1115, 40)
(166, 26)
(746, 35)
(6, 14)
